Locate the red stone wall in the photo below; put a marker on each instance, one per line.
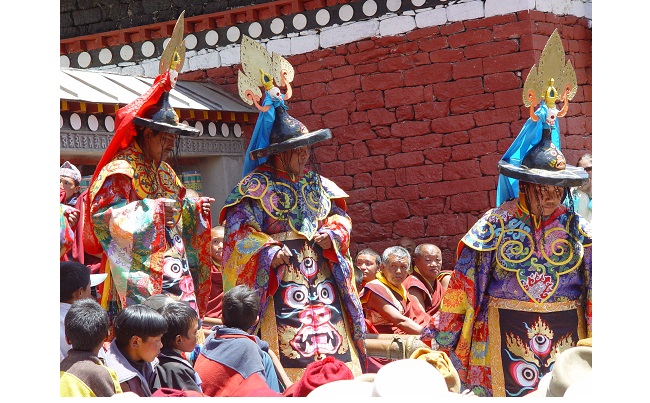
(420, 120)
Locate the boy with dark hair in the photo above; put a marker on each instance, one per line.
(82, 373)
(233, 362)
(75, 283)
(133, 354)
(174, 370)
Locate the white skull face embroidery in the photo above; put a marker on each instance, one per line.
(551, 115)
(275, 93)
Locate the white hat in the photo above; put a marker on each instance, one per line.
(403, 378)
(96, 279)
(70, 171)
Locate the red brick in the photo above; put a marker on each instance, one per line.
(456, 138)
(452, 124)
(501, 82)
(431, 110)
(346, 152)
(406, 49)
(329, 103)
(510, 62)
(575, 125)
(369, 232)
(346, 84)
(312, 122)
(360, 149)
(490, 117)
(343, 71)
(359, 212)
(445, 224)
(433, 44)
(403, 62)
(381, 81)
(504, 99)
(319, 76)
(370, 100)
(461, 170)
(471, 103)
(404, 160)
(512, 30)
(359, 117)
(361, 195)
(366, 69)
(367, 164)
(336, 119)
(458, 88)
(360, 131)
(424, 142)
(403, 192)
(384, 146)
(344, 182)
(490, 163)
(389, 211)
(389, 41)
(467, 68)
(469, 38)
(325, 153)
(307, 67)
(403, 96)
(369, 56)
(411, 227)
(470, 202)
(384, 178)
(362, 180)
(418, 175)
(464, 152)
(427, 206)
(432, 73)
(333, 61)
(299, 108)
(446, 56)
(489, 133)
(410, 129)
(331, 169)
(489, 22)
(365, 45)
(452, 28)
(311, 91)
(381, 116)
(457, 187)
(403, 113)
(382, 132)
(421, 33)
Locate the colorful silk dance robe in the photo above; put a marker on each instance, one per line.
(309, 308)
(519, 295)
(144, 257)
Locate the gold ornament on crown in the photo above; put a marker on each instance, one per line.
(552, 72)
(173, 56)
(260, 69)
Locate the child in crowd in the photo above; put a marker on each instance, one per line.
(82, 373)
(173, 370)
(367, 260)
(233, 362)
(213, 313)
(133, 354)
(75, 284)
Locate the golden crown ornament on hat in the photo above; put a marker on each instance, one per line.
(275, 130)
(535, 155)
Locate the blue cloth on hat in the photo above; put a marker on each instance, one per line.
(262, 132)
(529, 136)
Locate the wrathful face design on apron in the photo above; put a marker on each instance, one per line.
(308, 309)
(177, 279)
(530, 346)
